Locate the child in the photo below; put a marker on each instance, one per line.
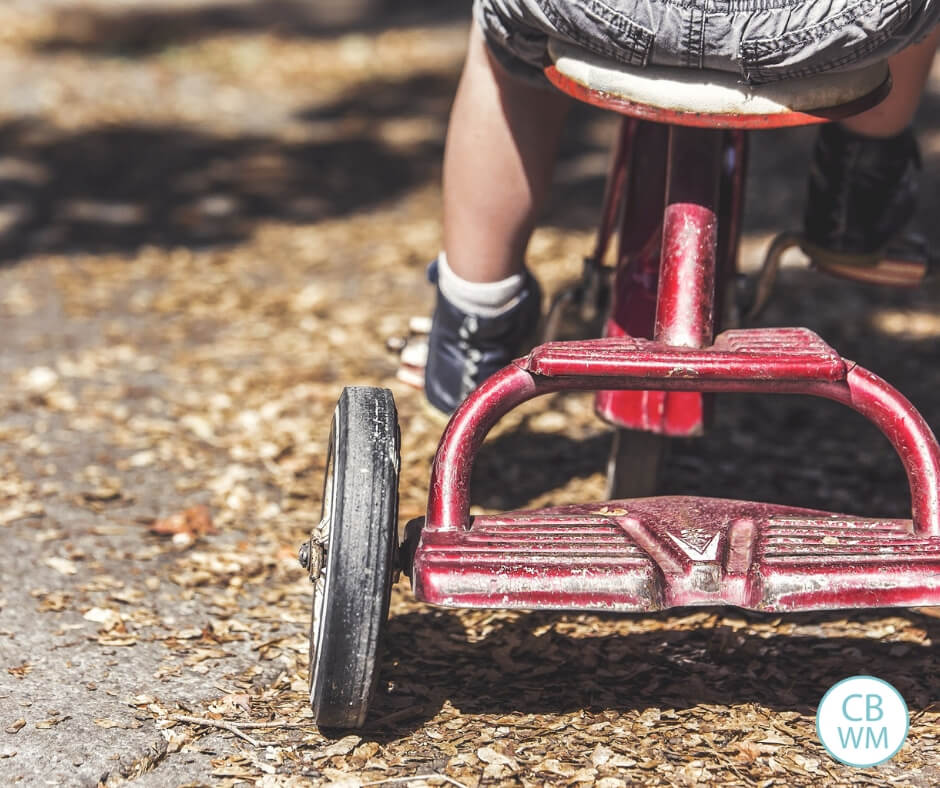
(506, 123)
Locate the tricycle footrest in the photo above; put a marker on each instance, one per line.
(654, 553)
(784, 354)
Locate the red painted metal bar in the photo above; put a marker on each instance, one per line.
(633, 296)
(685, 306)
(640, 234)
(908, 432)
(633, 310)
(449, 495)
(730, 214)
(864, 392)
(645, 190)
(615, 187)
(712, 120)
(693, 173)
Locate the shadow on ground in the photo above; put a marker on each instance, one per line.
(117, 188)
(526, 666)
(139, 31)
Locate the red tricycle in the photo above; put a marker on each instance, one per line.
(674, 198)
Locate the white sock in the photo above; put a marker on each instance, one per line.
(486, 299)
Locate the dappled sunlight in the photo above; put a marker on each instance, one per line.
(213, 214)
(911, 324)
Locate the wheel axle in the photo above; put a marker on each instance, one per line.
(310, 556)
(303, 555)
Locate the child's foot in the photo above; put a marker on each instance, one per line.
(862, 193)
(464, 349)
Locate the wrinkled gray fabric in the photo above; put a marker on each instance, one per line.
(761, 40)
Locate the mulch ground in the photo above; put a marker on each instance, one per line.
(211, 224)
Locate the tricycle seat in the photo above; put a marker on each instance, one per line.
(701, 97)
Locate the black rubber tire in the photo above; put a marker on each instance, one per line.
(359, 536)
(635, 462)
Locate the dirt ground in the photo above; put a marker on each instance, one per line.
(211, 218)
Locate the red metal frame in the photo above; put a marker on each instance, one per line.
(639, 173)
(648, 554)
(770, 361)
(685, 305)
(640, 185)
(679, 209)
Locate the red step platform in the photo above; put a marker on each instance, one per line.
(654, 553)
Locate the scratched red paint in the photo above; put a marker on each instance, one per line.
(653, 553)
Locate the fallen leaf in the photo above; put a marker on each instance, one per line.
(748, 751)
(202, 654)
(54, 602)
(554, 766)
(39, 380)
(601, 755)
(116, 640)
(109, 619)
(16, 727)
(584, 775)
(61, 565)
(102, 494)
(228, 705)
(364, 752)
(342, 747)
(489, 755)
(184, 539)
(50, 723)
(777, 739)
(194, 521)
(20, 671)
(129, 596)
(340, 780)
(621, 762)
(18, 511)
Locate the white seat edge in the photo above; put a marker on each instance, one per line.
(713, 92)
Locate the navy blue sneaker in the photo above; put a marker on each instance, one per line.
(862, 194)
(465, 349)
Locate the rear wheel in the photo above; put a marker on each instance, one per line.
(351, 556)
(635, 462)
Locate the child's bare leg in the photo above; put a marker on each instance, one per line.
(909, 71)
(501, 147)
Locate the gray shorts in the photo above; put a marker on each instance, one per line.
(762, 40)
